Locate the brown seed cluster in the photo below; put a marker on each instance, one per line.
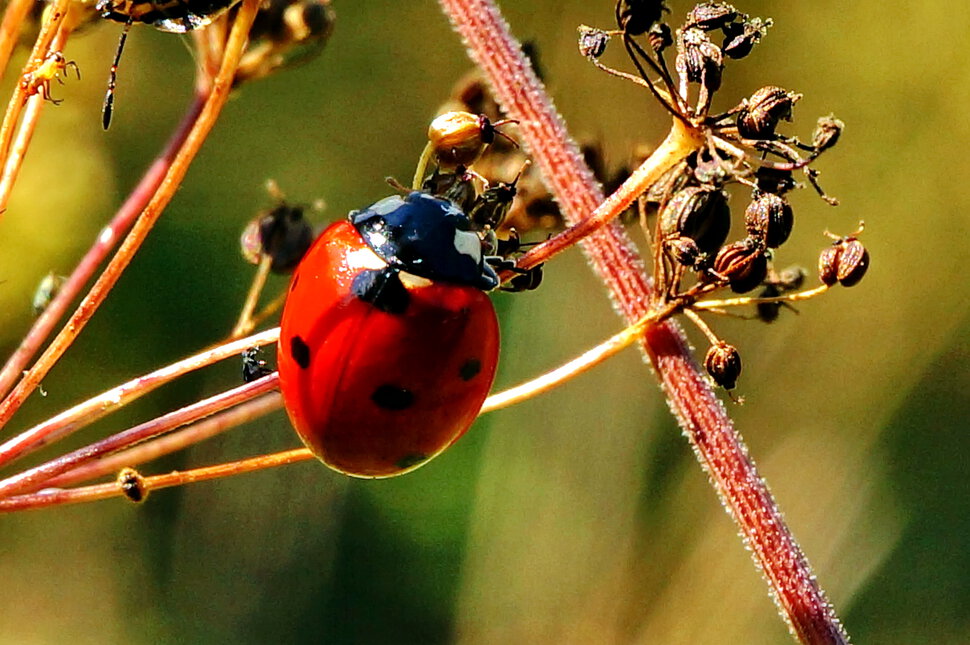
(694, 255)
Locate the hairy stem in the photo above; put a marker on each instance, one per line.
(698, 410)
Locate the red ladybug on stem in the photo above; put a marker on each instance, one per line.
(388, 341)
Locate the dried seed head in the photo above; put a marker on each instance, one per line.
(845, 262)
(592, 41)
(743, 263)
(772, 180)
(684, 251)
(741, 37)
(853, 263)
(285, 33)
(699, 60)
(828, 264)
(760, 115)
(711, 15)
(700, 213)
(769, 218)
(635, 17)
(659, 37)
(723, 363)
(284, 235)
(827, 133)
(132, 484)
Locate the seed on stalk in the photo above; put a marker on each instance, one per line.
(744, 264)
(769, 218)
(700, 213)
(723, 363)
(760, 114)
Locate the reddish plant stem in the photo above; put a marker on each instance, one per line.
(87, 412)
(699, 412)
(216, 99)
(27, 479)
(165, 445)
(46, 499)
(106, 241)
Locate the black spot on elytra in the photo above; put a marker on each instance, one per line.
(470, 369)
(383, 289)
(300, 352)
(392, 397)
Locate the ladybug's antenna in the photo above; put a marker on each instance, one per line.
(109, 97)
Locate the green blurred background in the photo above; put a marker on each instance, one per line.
(578, 517)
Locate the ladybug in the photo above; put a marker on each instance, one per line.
(388, 341)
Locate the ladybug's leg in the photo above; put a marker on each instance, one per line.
(524, 280)
(382, 288)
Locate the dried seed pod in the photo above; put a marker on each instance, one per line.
(828, 264)
(284, 234)
(772, 180)
(285, 33)
(132, 484)
(769, 218)
(711, 15)
(760, 115)
(743, 263)
(699, 59)
(723, 363)
(853, 263)
(684, 251)
(741, 37)
(700, 213)
(660, 37)
(592, 41)
(635, 17)
(460, 138)
(827, 133)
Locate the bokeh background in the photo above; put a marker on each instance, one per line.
(578, 517)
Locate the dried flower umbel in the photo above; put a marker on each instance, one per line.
(693, 256)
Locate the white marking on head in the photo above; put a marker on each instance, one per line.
(468, 243)
(387, 205)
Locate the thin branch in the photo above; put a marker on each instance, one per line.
(698, 410)
(107, 240)
(46, 499)
(216, 100)
(87, 412)
(26, 479)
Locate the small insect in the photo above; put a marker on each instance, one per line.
(51, 69)
(253, 367)
(174, 16)
(49, 286)
(388, 341)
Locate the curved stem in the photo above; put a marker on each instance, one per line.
(87, 412)
(176, 173)
(107, 240)
(26, 479)
(698, 410)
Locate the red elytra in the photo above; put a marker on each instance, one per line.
(372, 393)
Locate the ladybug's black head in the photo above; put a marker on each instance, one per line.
(427, 236)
